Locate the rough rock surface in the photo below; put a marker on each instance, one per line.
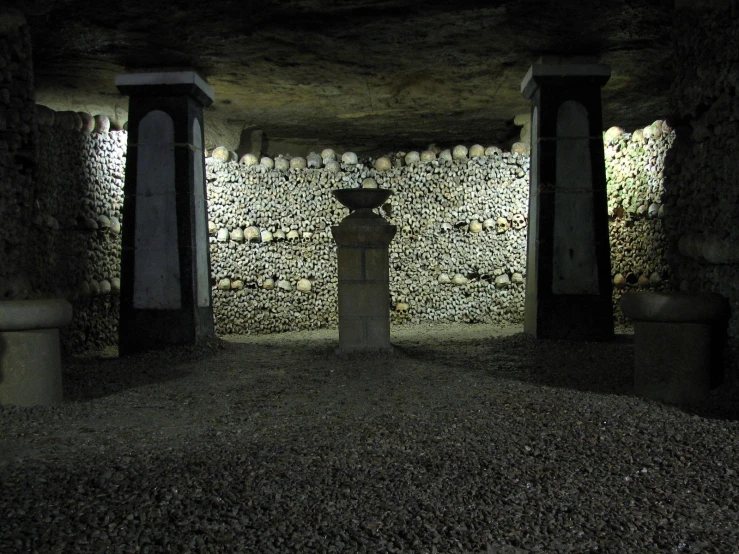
(365, 75)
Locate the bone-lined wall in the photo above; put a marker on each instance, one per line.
(459, 254)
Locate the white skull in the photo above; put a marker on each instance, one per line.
(460, 152)
(383, 164)
(518, 221)
(502, 225)
(488, 224)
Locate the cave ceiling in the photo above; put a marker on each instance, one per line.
(364, 74)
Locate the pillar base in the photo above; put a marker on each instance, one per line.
(677, 344)
(30, 356)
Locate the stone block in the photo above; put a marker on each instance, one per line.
(351, 264)
(377, 265)
(378, 333)
(352, 334)
(30, 357)
(363, 300)
(677, 344)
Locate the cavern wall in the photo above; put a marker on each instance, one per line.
(17, 150)
(701, 177)
(459, 254)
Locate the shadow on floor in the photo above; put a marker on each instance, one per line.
(596, 367)
(90, 377)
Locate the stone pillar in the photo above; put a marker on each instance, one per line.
(363, 238)
(165, 263)
(568, 284)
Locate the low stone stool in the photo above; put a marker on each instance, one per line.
(30, 357)
(677, 343)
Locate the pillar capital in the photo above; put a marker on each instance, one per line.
(564, 71)
(166, 83)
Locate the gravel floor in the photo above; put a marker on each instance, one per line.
(470, 438)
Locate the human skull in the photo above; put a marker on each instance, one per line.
(248, 160)
(402, 307)
(476, 150)
(314, 160)
(349, 158)
(383, 164)
(412, 157)
(282, 164)
(369, 183)
(298, 162)
(328, 154)
(428, 156)
(518, 221)
(460, 152)
(488, 224)
(502, 225)
(267, 162)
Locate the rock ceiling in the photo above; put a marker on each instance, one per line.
(374, 74)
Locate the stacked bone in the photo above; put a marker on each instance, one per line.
(459, 254)
(703, 195)
(17, 148)
(635, 183)
(75, 237)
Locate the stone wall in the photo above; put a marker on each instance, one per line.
(273, 256)
(701, 177)
(17, 151)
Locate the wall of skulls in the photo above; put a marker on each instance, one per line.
(459, 254)
(701, 178)
(17, 149)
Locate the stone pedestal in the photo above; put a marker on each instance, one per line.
(165, 264)
(677, 344)
(568, 286)
(30, 358)
(363, 238)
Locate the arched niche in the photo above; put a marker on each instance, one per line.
(202, 283)
(156, 255)
(575, 269)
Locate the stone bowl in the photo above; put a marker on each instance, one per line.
(362, 199)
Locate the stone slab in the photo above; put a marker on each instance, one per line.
(30, 368)
(674, 307)
(153, 83)
(672, 361)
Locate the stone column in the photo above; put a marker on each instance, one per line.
(165, 263)
(568, 284)
(363, 238)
